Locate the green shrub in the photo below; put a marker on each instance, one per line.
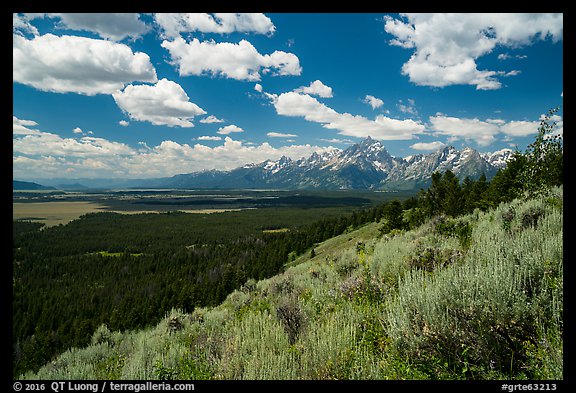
(111, 367)
(102, 335)
(545, 360)
(531, 216)
(283, 285)
(339, 367)
(431, 258)
(292, 318)
(371, 332)
(390, 258)
(484, 316)
(508, 216)
(555, 199)
(249, 286)
(257, 305)
(164, 373)
(460, 229)
(459, 320)
(255, 347)
(238, 300)
(346, 263)
(193, 367)
(189, 367)
(326, 341)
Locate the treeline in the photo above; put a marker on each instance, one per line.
(127, 271)
(526, 174)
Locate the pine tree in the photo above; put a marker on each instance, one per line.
(453, 203)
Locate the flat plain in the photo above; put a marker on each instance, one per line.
(53, 209)
(53, 213)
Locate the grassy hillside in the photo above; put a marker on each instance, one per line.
(476, 297)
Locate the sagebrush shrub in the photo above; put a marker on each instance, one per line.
(102, 335)
(507, 216)
(431, 258)
(531, 216)
(483, 314)
(346, 263)
(292, 318)
(462, 230)
(284, 285)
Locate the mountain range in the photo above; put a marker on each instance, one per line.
(363, 166)
(26, 185)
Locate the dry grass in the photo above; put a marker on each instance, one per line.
(281, 230)
(53, 213)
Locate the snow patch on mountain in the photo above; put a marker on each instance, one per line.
(366, 165)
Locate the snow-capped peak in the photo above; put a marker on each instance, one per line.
(499, 158)
(365, 165)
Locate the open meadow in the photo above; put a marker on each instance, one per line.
(53, 213)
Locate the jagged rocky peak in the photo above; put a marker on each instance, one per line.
(498, 158)
(364, 165)
(368, 147)
(284, 160)
(368, 144)
(447, 151)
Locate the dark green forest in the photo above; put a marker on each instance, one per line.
(127, 271)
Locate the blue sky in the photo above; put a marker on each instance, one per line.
(152, 95)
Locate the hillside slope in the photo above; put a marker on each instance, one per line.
(26, 185)
(476, 297)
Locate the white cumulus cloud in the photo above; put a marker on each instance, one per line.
(409, 108)
(374, 102)
(229, 129)
(52, 155)
(21, 24)
(483, 132)
(21, 127)
(382, 127)
(71, 64)
(237, 61)
(520, 128)
(48, 144)
(173, 24)
(428, 146)
(446, 46)
(111, 26)
(316, 88)
(211, 119)
(164, 103)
